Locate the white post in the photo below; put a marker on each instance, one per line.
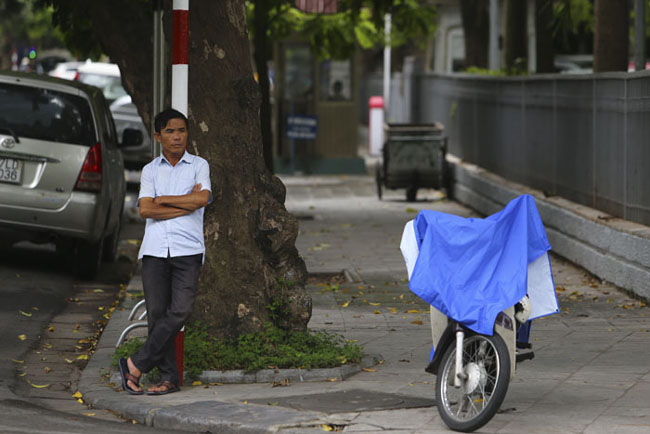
(639, 35)
(494, 62)
(532, 36)
(180, 55)
(387, 25)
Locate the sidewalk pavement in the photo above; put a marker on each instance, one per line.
(591, 373)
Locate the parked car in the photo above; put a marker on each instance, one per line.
(574, 63)
(126, 117)
(106, 76)
(61, 172)
(65, 70)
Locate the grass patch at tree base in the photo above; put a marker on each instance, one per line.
(271, 348)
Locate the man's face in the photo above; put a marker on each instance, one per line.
(173, 138)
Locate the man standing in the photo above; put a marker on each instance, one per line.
(174, 189)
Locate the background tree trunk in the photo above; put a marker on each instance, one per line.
(611, 35)
(261, 47)
(515, 45)
(544, 35)
(476, 27)
(251, 259)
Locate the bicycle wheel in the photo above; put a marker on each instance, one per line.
(487, 365)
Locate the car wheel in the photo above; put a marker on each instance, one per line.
(112, 241)
(88, 258)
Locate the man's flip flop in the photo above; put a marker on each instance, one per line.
(127, 376)
(171, 388)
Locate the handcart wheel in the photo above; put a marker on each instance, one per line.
(379, 180)
(411, 194)
(486, 364)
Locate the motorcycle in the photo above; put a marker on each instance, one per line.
(473, 272)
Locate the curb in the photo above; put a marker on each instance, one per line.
(613, 249)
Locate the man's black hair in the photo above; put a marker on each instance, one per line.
(162, 118)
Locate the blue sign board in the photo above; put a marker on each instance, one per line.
(301, 126)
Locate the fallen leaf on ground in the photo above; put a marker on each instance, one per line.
(332, 380)
(374, 304)
(50, 329)
(369, 370)
(89, 414)
(196, 383)
(327, 428)
(68, 360)
(98, 291)
(417, 322)
(27, 314)
(346, 304)
(83, 357)
(17, 361)
(413, 311)
(377, 312)
(77, 395)
(38, 386)
(47, 369)
(22, 337)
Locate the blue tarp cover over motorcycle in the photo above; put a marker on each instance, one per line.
(471, 269)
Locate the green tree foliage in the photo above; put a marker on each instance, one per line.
(22, 24)
(570, 19)
(357, 22)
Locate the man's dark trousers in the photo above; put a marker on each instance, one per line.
(169, 290)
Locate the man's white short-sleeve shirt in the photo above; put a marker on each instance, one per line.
(179, 236)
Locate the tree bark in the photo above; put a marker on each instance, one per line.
(515, 48)
(544, 36)
(611, 35)
(251, 259)
(261, 47)
(476, 27)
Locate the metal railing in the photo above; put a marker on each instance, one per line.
(585, 138)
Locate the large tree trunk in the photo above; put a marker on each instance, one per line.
(544, 35)
(476, 27)
(251, 259)
(611, 35)
(515, 46)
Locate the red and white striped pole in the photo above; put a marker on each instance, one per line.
(179, 102)
(179, 55)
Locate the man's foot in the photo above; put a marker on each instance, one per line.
(163, 388)
(130, 377)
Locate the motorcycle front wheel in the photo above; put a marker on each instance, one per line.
(487, 367)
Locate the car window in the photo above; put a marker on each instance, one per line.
(111, 86)
(46, 115)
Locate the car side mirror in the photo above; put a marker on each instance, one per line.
(131, 138)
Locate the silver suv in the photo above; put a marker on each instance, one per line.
(61, 171)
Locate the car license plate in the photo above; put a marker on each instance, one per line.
(10, 170)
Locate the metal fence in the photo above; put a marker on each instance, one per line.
(585, 138)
